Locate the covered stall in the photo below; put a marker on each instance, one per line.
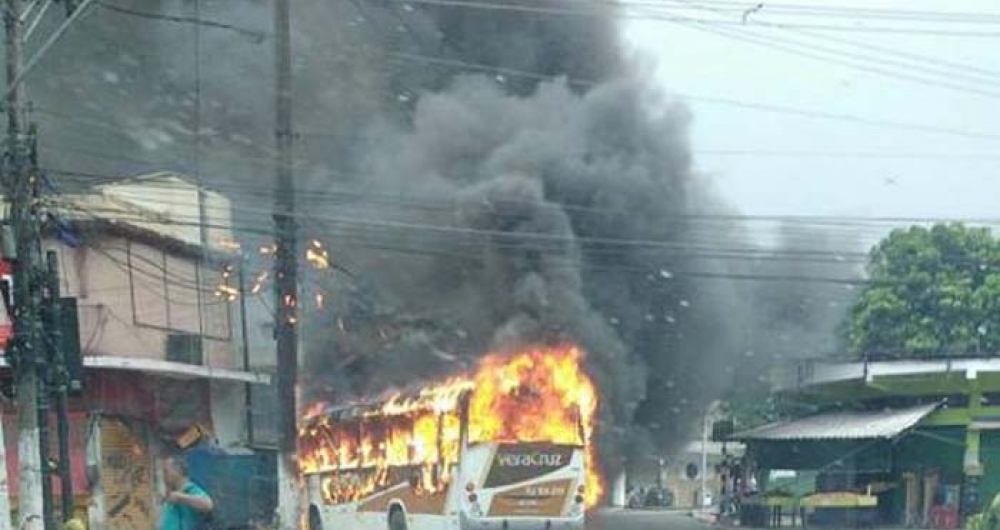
(848, 458)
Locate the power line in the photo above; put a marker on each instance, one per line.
(367, 240)
(625, 10)
(778, 109)
(782, 44)
(572, 262)
(764, 107)
(332, 195)
(460, 230)
(865, 155)
(754, 254)
(432, 203)
(512, 243)
(819, 10)
(257, 35)
(916, 62)
(854, 61)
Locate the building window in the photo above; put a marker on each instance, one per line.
(176, 294)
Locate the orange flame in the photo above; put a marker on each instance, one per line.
(539, 394)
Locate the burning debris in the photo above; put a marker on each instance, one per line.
(537, 395)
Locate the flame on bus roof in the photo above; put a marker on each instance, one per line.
(536, 394)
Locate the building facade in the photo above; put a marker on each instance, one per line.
(157, 325)
(920, 439)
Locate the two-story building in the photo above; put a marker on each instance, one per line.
(158, 323)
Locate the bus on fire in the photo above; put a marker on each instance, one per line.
(508, 448)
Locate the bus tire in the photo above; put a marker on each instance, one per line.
(397, 518)
(315, 523)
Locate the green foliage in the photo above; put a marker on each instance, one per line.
(989, 519)
(933, 292)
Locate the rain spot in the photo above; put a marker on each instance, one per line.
(111, 77)
(685, 303)
(664, 273)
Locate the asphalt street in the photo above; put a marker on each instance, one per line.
(617, 519)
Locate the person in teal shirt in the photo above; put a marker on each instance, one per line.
(186, 506)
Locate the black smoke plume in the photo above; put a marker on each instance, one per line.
(483, 177)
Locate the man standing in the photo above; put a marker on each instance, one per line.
(186, 506)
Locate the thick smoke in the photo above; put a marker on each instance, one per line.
(555, 216)
(469, 205)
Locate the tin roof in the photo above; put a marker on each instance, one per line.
(841, 425)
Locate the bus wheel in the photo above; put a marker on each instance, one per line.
(397, 519)
(315, 523)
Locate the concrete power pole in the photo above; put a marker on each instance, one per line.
(705, 426)
(286, 275)
(21, 186)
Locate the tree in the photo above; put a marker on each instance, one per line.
(932, 292)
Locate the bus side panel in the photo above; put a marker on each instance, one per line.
(434, 504)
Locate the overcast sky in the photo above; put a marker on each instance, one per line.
(768, 180)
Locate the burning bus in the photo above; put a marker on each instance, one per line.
(507, 447)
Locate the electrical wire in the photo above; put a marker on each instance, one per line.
(764, 107)
(709, 243)
(403, 244)
(333, 196)
(623, 269)
(626, 10)
(256, 35)
(695, 221)
(910, 62)
(574, 264)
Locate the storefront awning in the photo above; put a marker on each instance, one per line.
(169, 369)
(842, 425)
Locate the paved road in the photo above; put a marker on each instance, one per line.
(643, 520)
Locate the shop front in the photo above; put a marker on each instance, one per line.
(858, 468)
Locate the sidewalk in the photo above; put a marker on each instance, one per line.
(706, 515)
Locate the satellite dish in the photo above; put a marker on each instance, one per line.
(691, 471)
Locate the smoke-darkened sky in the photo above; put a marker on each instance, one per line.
(487, 178)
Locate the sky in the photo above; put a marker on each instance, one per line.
(766, 163)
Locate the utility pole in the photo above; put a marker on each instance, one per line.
(60, 382)
(704, 457)
(286, 274)
(248, 387)
(22, 188)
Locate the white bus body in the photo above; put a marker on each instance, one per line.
(494, 486)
